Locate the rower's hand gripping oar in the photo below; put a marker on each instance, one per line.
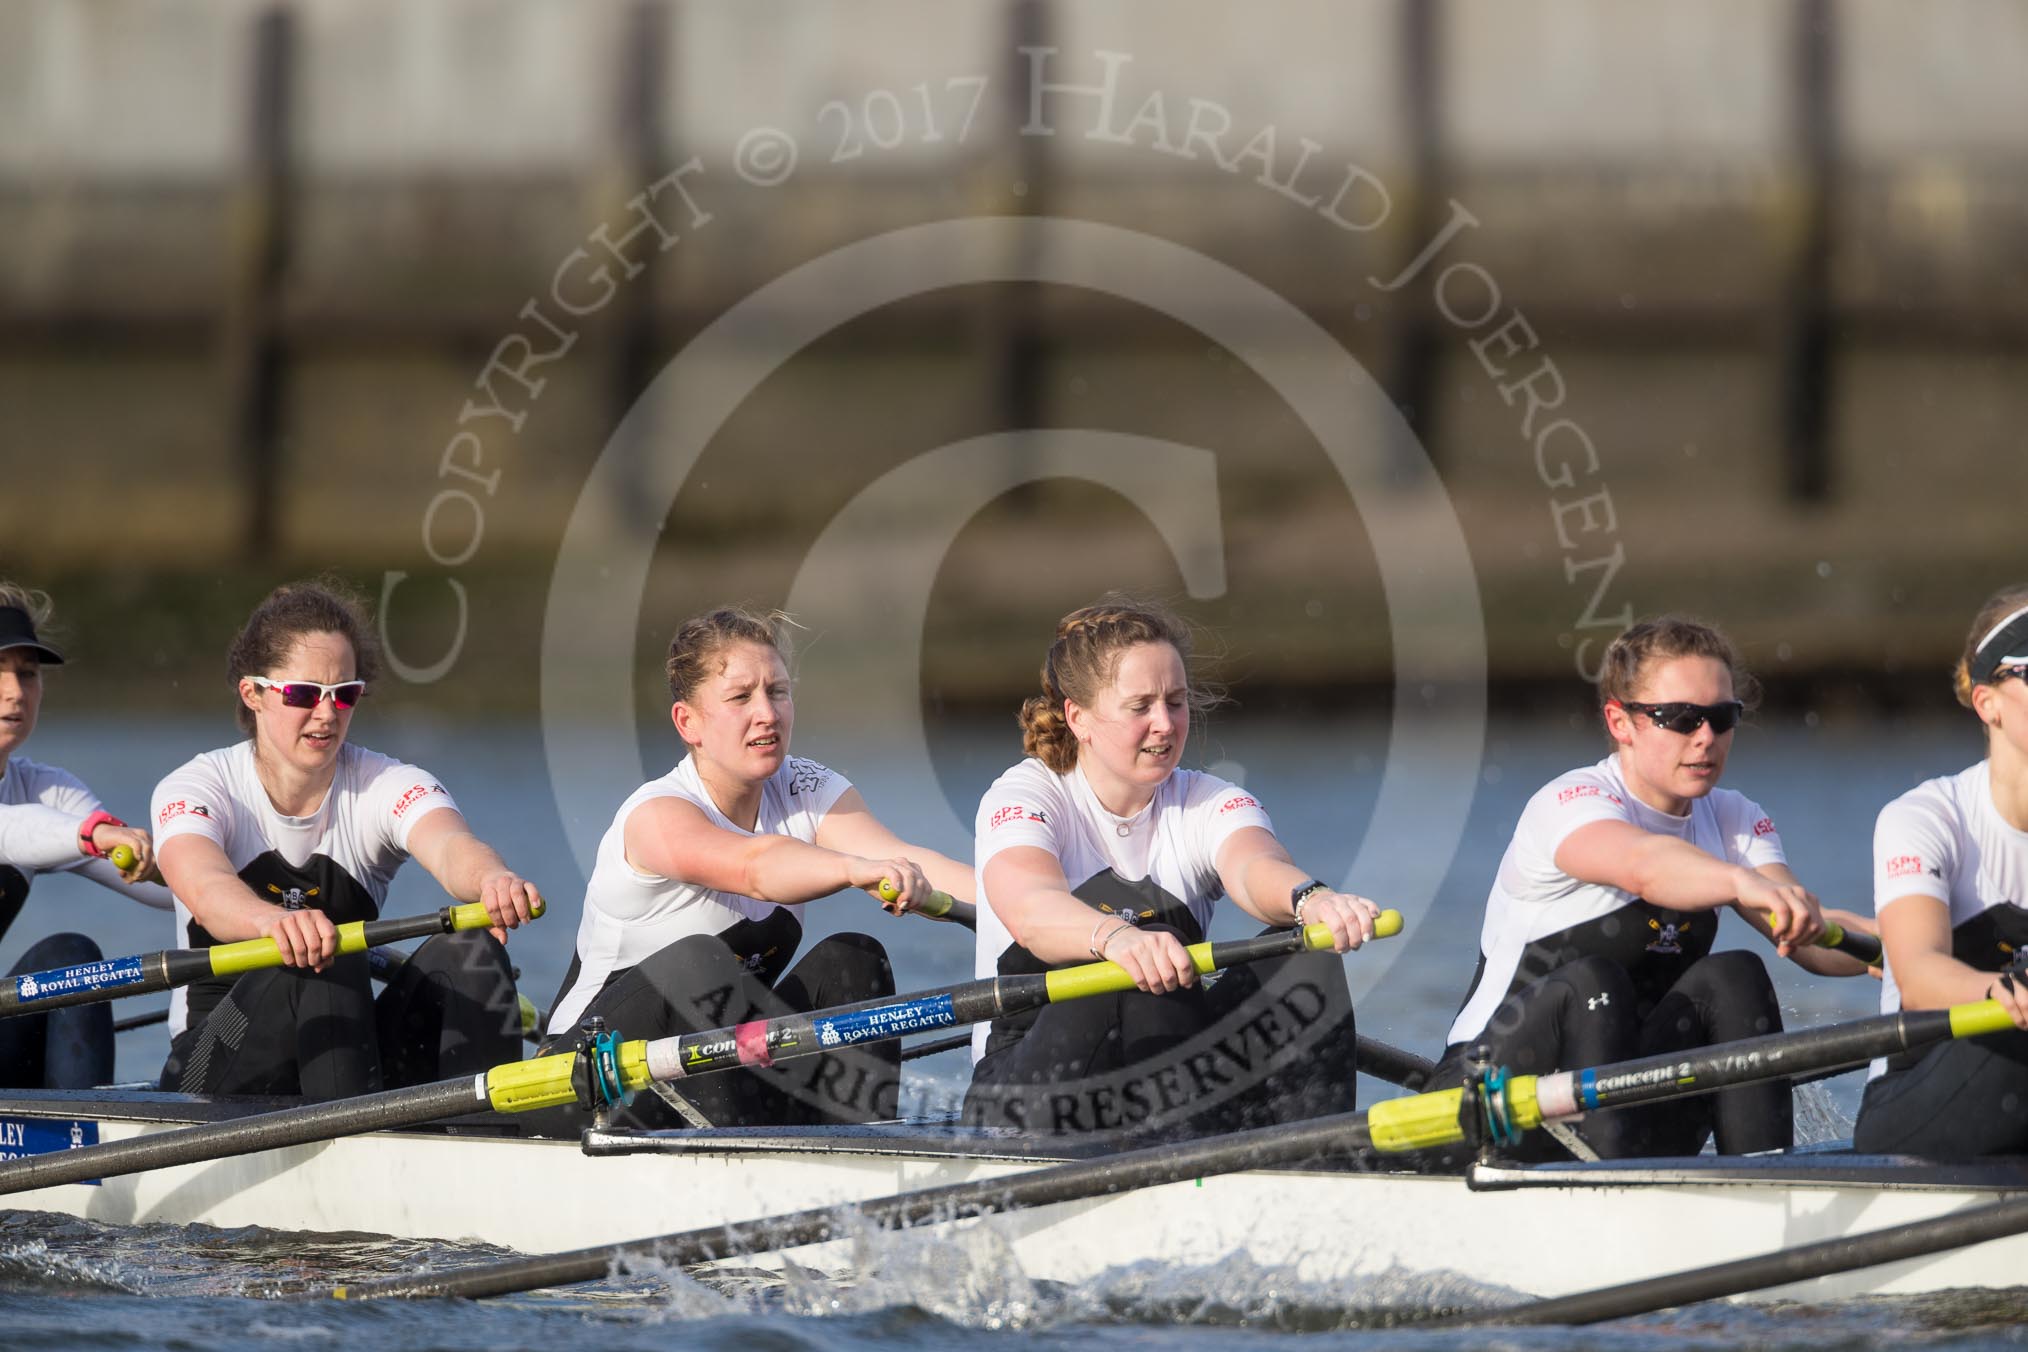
(611, 1070)
(940, 906)
(113, 978)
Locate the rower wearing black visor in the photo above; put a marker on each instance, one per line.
(1597, 941)
(1950, 882)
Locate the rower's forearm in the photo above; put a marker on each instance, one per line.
(785, 870)
(469, 862)
(35, 836)
(1935, 980)
(228, 910)
(1677, 876)
(1057, 927)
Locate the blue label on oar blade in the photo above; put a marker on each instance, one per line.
(21, 1137)
(868, 1025)
(86, 976)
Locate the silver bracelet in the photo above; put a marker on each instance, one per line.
(1098, 946)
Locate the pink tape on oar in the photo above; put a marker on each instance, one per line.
(751, 1041)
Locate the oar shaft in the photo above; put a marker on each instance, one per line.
(1862, 946)
(242, 1136)
(547, 1081)
(115, 978)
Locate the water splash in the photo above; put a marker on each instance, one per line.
(1819, 1118)
(34, 1266)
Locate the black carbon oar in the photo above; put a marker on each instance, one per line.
(1826, 1258)
(1499, 1105)
(114, 978)
(1862, 946)
(613, 1068)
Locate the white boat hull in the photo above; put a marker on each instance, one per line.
(1537, 1232)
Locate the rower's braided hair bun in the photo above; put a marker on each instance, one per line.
(321, 606)
(1082, 662)
(700, 639)
(1630, 656)
(1999, 605)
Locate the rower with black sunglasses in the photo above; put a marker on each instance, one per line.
(295, 831)
(1950, 883)
(1597, 942)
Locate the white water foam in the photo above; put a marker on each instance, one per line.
(970, 1276)
(34, 1263)
(1819, 1118)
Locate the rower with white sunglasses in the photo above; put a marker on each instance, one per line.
(1597, 941)
(295, 831)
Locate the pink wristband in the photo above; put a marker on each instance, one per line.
(91, 824)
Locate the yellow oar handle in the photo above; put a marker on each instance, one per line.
(1979, 1017)
(253, 955)
(544, 1081)
(121, 857)
(938, 906)
(1103, 978)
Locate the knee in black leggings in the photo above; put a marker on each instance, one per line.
(839, 970)
(1733, 997)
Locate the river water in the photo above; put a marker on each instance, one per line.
(66, 1283)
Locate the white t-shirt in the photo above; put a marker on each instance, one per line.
(339, 859)
(630, 915)
(1172, 843)
(1536, 905)
(41, 809)
(1945, 839)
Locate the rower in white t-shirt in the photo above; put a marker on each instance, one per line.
(1100, 846)
(294, 831)
(1950, 884)
(51, 823)
(694, 908)
(1597, 941)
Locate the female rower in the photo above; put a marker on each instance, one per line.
(1950, 881)
(50, 822)
(1098, 846)
(694, 907)
(295, 831)
(1596, 945)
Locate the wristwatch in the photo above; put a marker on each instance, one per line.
(1301, 893)
(91, 824)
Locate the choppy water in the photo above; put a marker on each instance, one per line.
(72, 1284)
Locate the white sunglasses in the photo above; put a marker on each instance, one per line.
(309, 694)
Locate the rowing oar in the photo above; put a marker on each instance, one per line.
(1378, 1059)
(385, 963)
(1826, 1258)
(114, 978)
(940, 906)
(1498, 1106)
(609, 1069)
(1862, 946)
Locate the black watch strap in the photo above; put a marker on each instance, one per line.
(1301, 891)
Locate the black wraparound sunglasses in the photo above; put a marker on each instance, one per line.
(1683, 717)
